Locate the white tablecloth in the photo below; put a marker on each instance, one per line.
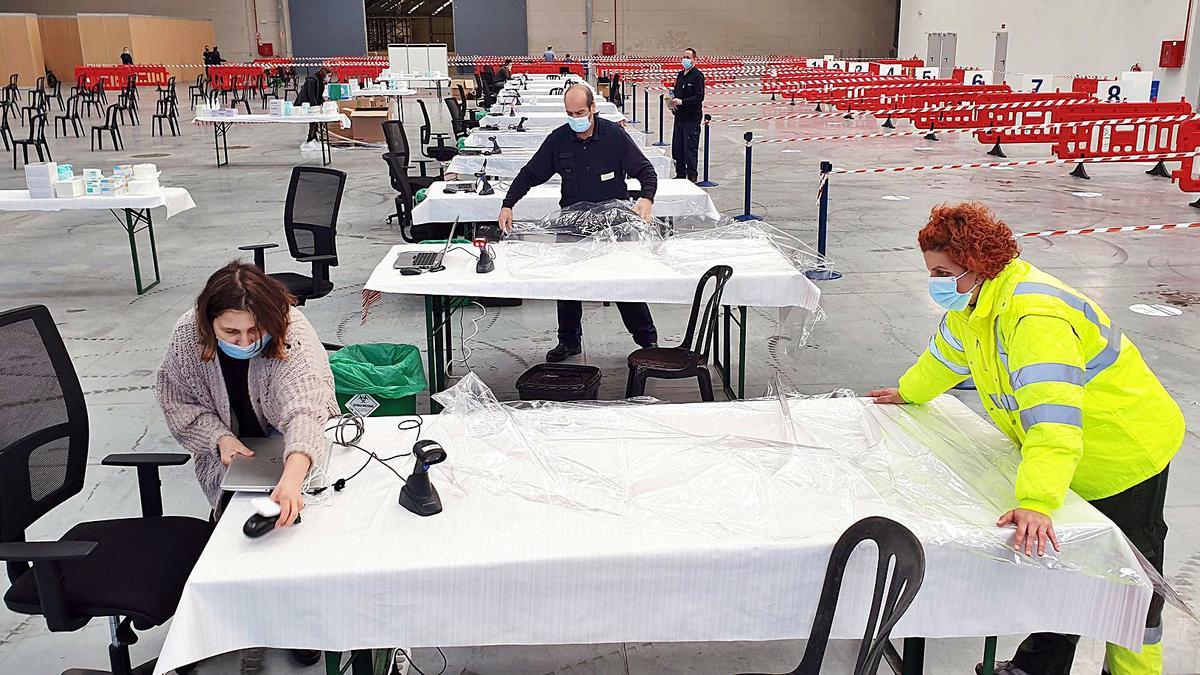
(298, 118)
(531, 139)
(762, 276)
(416, 81)
(542, 85)
(539, 120)
(175, 199)
(507, 164)
(675, 198)
(665, 523)
(398, 93)
(549, 104)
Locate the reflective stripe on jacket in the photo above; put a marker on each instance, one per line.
(1061, 380)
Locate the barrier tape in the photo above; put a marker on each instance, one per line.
(1111, 230)
(1166, 157)
(912, 111)
(821, 187)
(985, 130)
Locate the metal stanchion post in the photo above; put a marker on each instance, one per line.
(706, 182)
(824, 272)
(746, 215)
(661, 138)
(634, 97)
(646, 110)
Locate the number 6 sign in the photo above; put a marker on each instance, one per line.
(977, 77)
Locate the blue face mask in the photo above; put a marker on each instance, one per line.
(580, 124)
(243, 353)
(944, 291)
(687, 63)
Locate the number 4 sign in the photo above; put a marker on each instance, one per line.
(888, 68)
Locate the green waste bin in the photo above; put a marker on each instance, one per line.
(377, 380)
(420, 196)
(480, 114)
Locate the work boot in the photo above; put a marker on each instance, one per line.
(694, 178)
(562, 352)
(1002, 668)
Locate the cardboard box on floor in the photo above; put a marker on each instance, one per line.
(367, 125)
(467, 85)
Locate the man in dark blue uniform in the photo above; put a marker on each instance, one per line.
(592, 155)
(687, 103)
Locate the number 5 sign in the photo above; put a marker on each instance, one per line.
(925, 73)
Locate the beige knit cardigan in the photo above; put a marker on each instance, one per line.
(293, 395)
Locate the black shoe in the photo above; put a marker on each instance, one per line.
(562, 352)
(1002, 668)
(694, 178)
(305, 657)
(681, 177)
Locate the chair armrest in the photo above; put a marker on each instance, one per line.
(47, 558)
(260, 260)
(44, 551)
(149, 485)
(316, 258)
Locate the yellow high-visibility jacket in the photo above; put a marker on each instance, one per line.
(1059, 378)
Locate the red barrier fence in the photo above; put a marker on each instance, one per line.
(116, 77)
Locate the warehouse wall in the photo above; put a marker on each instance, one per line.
(328, 27)
(233, 20)
(847, 27)
(495, 27)
(20, 49)
(60, 45)
(1092, 37)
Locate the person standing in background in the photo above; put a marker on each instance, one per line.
(126, 57)
(687, 103)
(216, 56)
(505, 72)
(207, 55)
(568, 59)
(312, 92)
(549, 54)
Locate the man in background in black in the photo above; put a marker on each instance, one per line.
(592, 155)
(312, 92)
(505, 73)
(687, 103)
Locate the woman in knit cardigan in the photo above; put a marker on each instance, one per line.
(246, 363)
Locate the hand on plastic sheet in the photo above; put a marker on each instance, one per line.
(642, 208)
(1034, 531)
(887, 395)
(505, 219)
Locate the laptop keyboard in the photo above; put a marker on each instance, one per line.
(424, 259)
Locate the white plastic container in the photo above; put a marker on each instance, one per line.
(145, 171)
(66, 189)
(144, 186)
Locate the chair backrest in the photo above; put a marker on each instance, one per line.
(427, 127)
(12, 80)
(455, 109)
(397, 140)
(37, 127)
(557, 91)
(310, 215)
(895, 542)
(110, 116)
(40, 84)
(462, 95)
(705, 312)
(43, 423)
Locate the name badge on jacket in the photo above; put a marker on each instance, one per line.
(608, 176)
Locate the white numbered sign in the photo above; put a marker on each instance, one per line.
(926, 73)
(1030, 82)
(814, 63)
(1117, 91)
(860, 67)
(889, 68)
(977, 77)
(836, 65)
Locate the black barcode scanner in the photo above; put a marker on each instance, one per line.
(418, 494)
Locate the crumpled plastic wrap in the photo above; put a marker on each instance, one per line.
(779, 468)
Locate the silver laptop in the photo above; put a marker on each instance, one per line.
(261, 472)
(424, 260)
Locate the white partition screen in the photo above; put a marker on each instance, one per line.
(422, 59)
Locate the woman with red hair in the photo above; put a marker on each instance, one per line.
(1057, 376)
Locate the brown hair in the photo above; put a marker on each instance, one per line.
(971, 235)
(243, 286)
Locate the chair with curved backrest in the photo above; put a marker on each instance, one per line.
(398, 173)
(310, 217)
(71, 115)
(895, 543)
(36, 140)
(468, 111)
(198, 91)
(128, 570)
(458, 120)
(397, 142)
(112, 126)
(37, 105)
(673, 363)
(441, 152)
(166, 110)
(127, 105)
(5, 130)
(55, 93)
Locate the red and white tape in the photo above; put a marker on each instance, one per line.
(1111, 230)
(1165, 157)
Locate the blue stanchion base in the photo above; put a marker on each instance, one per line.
(823, 275)
(707, 183)
(747, 216)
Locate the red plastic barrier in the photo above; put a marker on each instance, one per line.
(115, 77)
(1188, 173)
(224, 77)
(1106, 138)
(1054, 111)
(345, 73)
(547, 68)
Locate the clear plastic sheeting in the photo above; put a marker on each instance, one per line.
(780, 468)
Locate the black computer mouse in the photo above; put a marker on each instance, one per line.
(257, 525)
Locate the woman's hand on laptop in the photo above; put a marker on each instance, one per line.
(288, 493)
(230, 446)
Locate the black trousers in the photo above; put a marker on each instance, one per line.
(685, 146)
(312, 131)
(636, 316)
(1138, 511)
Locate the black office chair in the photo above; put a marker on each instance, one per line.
(440, 152)
(70, 115)
(673, 363)
(397, 142)
(35, 140)
(129, 570)
(110, 125)
(468, 111)
(310, 222)
(895, 542)
(484, 96)
(398, 173)
(456, 115)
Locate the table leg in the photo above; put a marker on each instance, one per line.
(221, 142)
(741, 390)
(449, 332)
(989, 654)
(133, 218)
(431, 353)
(361, 660)
(333, 663)
(323, 137)
(914, 656)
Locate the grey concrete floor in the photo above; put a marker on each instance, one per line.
(879, 318)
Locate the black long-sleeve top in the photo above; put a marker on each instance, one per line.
(689, 88)
(592, 169)
(312, 92)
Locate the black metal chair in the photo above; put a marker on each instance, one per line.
(457, 118)
(440, 152)
(110, 125)
(238, 90)
(310, 222)
(71, 115)
(36, 140)
(166, 110)
(37, 105)
(5, 130)
(397, 142)
(684, 361)
(128, 570)
(55, 93)
(895, 543)
(127, 105)
(198, 91)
